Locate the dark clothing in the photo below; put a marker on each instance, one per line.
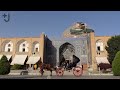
(75, 59)
(62, 61)
(74, 63)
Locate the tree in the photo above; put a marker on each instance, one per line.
(4, 66)
(113, 46)
(116, 64)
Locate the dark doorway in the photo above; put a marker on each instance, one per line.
(66, 50)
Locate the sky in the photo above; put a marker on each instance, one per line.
(53, 23)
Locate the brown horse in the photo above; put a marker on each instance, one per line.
(44, 66)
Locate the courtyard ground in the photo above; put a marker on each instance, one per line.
(15, 74)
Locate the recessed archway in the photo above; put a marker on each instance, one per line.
(99, 45)
(66, 50)
(35, 46)
(7, 46)
(22, 46)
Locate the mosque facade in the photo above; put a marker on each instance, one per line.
(78, 39)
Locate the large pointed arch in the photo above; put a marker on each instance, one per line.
(66, 50)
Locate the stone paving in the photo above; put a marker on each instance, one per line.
(15, 74)
(58, 77)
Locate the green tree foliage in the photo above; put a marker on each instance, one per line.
(4, 66)
(116, 64)
(113, 46)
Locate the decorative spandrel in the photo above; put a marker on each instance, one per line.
(80, 28)
(78, 49)
(84, 44)
(56, 43)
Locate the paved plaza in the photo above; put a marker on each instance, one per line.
(58, 77)
(15, 74)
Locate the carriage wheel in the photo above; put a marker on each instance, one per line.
(77, 71)
(59, 72)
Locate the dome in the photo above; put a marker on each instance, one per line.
(77, 29)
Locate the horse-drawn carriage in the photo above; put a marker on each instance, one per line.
(64, 65)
